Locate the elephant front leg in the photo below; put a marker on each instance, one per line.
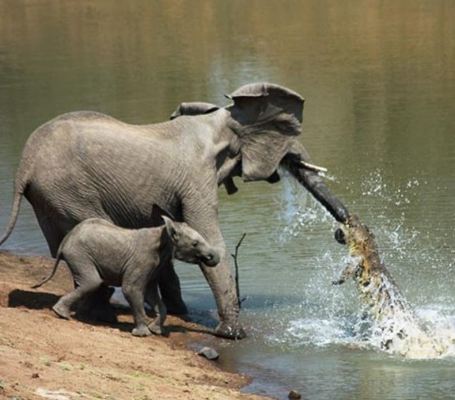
(154, 300)
(222, 283)
(134, 294)
(220, 277)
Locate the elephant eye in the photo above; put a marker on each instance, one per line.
(195, 243)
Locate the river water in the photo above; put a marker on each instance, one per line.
(379, 82)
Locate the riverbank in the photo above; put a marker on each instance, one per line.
(41, 355)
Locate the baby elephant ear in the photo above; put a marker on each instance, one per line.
(194, 108)
(171, 228)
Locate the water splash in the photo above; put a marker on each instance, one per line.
(335, 317)
(298, 209)
(396, 329)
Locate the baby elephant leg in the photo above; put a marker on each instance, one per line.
(134, 294)
(154, 299)
(96, 306)
(87, 280)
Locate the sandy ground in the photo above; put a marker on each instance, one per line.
(42, 356)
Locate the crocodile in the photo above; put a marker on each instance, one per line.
(395, 326)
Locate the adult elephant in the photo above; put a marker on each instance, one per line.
(85, 164)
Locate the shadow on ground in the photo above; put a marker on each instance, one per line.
(31, 300)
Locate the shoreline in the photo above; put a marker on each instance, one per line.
(42, 355)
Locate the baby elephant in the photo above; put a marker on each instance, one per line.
(98, 252)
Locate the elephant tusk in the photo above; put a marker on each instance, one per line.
(313, 167)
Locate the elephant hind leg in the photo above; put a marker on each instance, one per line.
(88, 281)
(53, 233)
(53, 224)
(94, 306)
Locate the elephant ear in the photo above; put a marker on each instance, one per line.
(267, 118)
(194, 108)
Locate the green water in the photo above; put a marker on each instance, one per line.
(379, 82)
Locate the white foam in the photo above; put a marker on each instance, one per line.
(337, 318)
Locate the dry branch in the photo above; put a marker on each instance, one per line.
(236, 264)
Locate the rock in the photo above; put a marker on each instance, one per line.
(60, 394)
(35, 375)
(209, 353)
(294, 395)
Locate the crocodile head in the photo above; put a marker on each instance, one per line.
(362, 246)
(359, 239)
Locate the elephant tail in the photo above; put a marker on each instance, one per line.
(22, 182)
(14, 213)
(58, 258)
(54, 270)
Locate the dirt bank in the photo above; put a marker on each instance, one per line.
(42, 356)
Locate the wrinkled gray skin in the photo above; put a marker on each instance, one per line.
(98, 252)
(85, 164)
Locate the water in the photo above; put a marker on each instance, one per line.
(379, 83)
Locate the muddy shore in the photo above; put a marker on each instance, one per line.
(42, 356)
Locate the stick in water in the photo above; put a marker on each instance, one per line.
(236, 264)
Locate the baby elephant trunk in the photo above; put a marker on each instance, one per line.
(200, 254)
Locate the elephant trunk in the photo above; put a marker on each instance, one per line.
(312, 181)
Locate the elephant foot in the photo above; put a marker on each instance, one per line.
(230, 331)
(62, 311)
(141, 331)
(155, 328)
